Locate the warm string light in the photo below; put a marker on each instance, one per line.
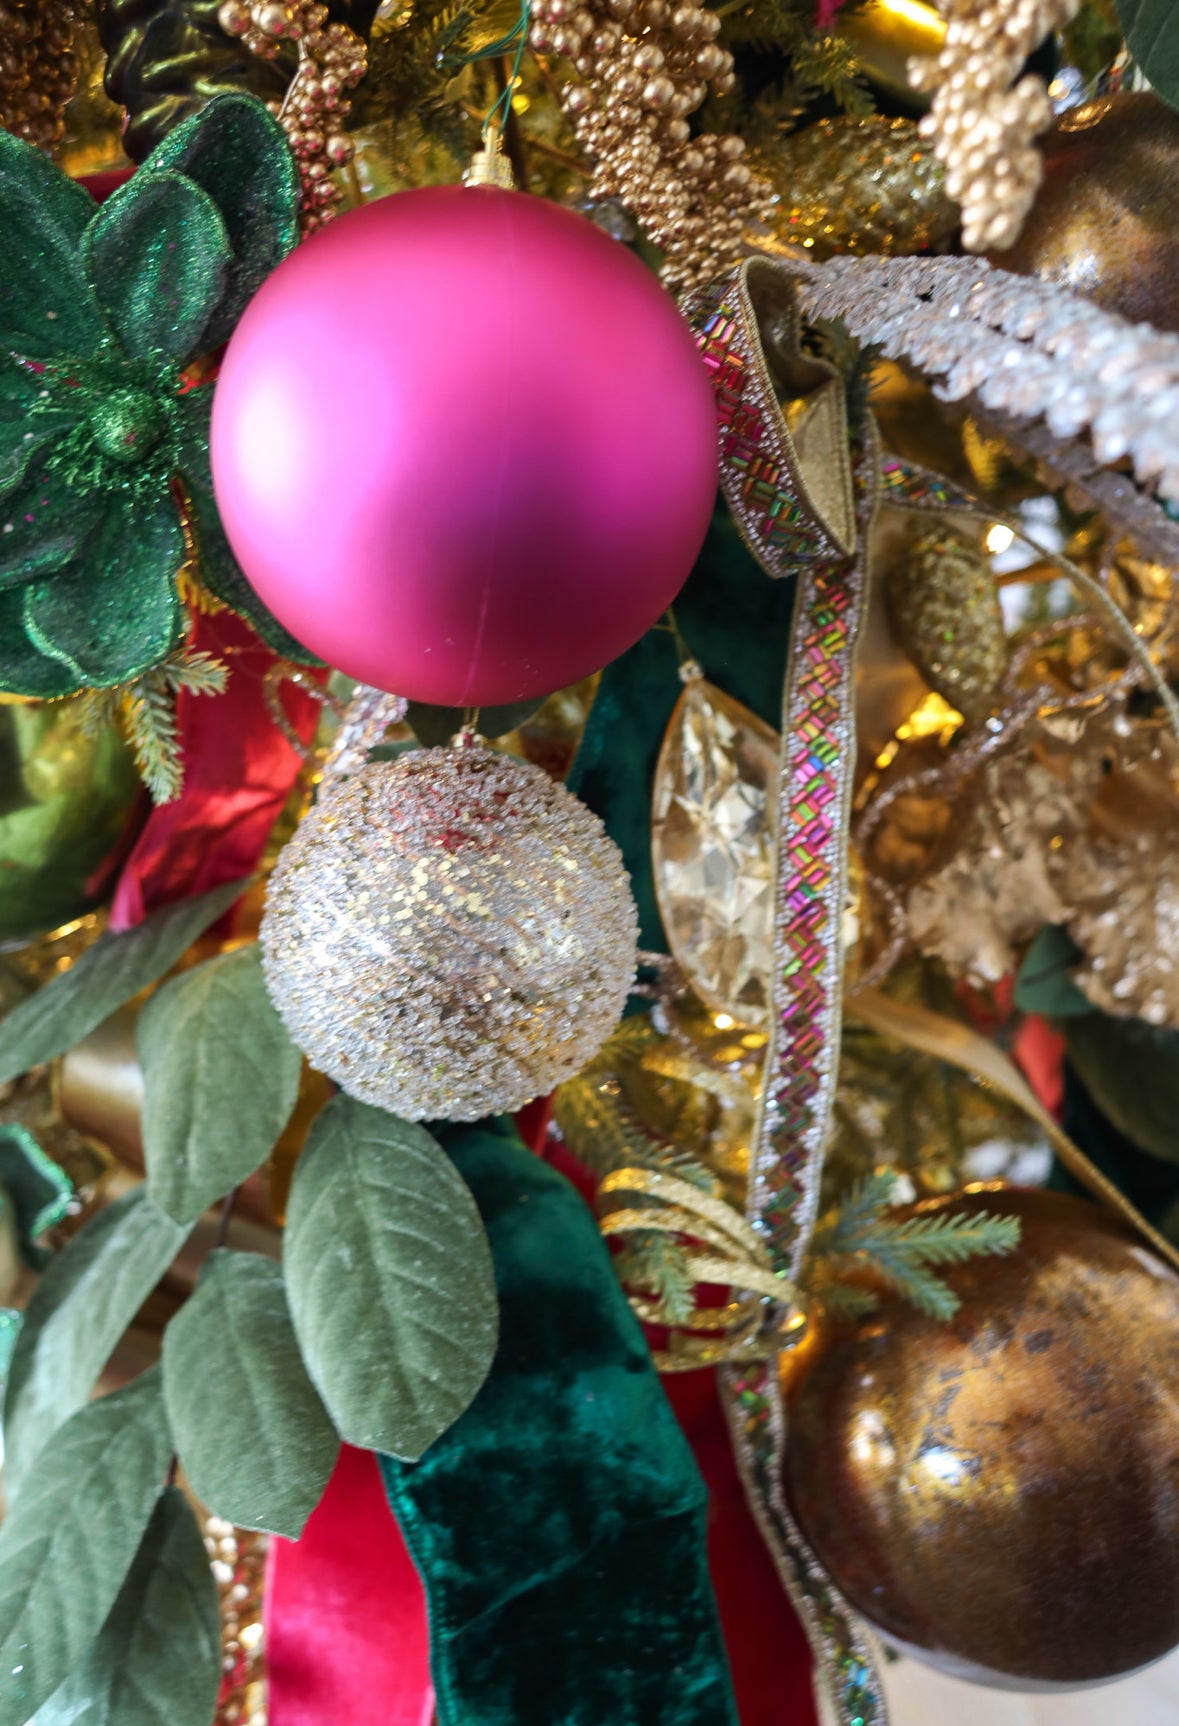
(981, 121)
(332, 60)
(642, 67)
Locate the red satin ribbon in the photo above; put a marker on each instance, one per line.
(238, 772)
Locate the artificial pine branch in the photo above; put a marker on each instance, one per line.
(146, 710)
(859, 1236)
(658, 1264)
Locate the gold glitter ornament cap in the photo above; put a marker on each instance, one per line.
(450, 934)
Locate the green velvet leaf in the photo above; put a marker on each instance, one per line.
(1151, 29)
(1045, 984)
(24, 669)
(389, 1279)
(115, 612)
(220, 1080)
(85, 1300)
(44, 525)
(23, 433)
(435, 726)
(220, 570)
(47, 306)
(69, 1540)
(237, 152)
(260, 1453)
(157, 1659)
(158, 257)
(117, 966)
(38, 1189)
(1131, 1071)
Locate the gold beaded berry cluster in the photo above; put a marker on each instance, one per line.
(642, 66)
(332, 60)
(36, 69)
(981, 123)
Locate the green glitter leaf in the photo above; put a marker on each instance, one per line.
(158, 256)
(220, 1081)
(85, 1300)
(24, 670)
(237, 152)
(389, 1279)
(116, 611)
(23, 431)
(43, 525)
(157, 1659)
(48, 306)
(70, 1539)
(260, 1453)
(219, 569)
(40, 1191)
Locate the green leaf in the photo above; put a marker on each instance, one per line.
(40, 1191)
(10, 1324)
(1151, 29)
(219, 568)
(49, 306)
(220, 1079)
(115, 611)
(83, 1303)
(69, 1539)
(109, 973)
(389, 1279)
(23, 434)
(44, 525)
(259, 1454)
(157, 1659)
(24, 669)
(1131, 1070)
(435, 726)
(236, 151)
(1044, 984)
(158, 257)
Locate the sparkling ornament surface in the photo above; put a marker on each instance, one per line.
(712, 845)
(450, 934)
(946, 608)
(238, 1559)
(851, 185)
(996, 1492)
(522, 462)
(1103, 223)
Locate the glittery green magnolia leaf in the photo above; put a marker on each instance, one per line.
(23, 432)
(158, 256)
(47, 306)
(43, 524)
(157, 1659)
(70, 1539)
(115, 611)
(38, 1189)
(24, 670)
(219, 568)
(260, 1453)
(237, 152)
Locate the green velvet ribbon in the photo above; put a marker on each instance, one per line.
(559, 1524)
(100, 312)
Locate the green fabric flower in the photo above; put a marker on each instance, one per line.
(102, 442)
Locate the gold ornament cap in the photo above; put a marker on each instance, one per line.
(490, 166)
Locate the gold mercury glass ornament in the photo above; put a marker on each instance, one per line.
(449, 934)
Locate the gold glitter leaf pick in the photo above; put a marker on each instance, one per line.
(712, 845)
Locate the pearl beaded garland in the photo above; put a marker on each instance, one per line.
(332, 59)
(640, 68)
(982, 126)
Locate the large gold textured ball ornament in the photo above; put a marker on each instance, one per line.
(1000, 1494)
(450, 934)
(1103, 223)
(945, 608)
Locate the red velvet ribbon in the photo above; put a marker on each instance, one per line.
(239, 770)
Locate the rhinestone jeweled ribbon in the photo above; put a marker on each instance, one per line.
(803, 510)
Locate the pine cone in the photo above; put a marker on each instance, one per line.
(167, 58)
(946, 612)
(851, 185)
(36, 68)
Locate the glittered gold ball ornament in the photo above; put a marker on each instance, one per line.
(997, 1493)
(1103, 223)
(450, 934)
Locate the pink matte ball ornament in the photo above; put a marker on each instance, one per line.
(464, 446)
